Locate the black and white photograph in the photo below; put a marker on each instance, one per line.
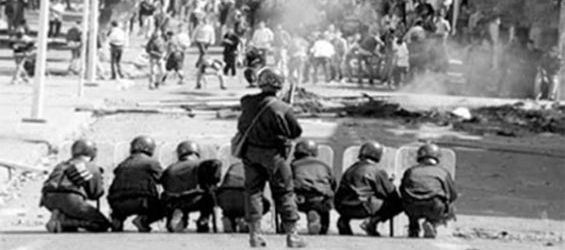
(277, 124)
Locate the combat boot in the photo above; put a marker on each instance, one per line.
(176, 224)
(314, 222)
(429, 230)
(54, 223)
(255, 235)
(140, 223)
(293, 240)
(228, 224)
(117, 225)
(343, 226)
(370, 227)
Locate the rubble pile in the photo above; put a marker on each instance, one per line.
(506, 120)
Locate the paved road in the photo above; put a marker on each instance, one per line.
(123, 241)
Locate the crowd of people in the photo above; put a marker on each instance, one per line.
(356, 41)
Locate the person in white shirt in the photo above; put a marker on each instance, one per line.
(322, 52)
(443, 28)
(262, 38)
(401, 62)
(117, 40)
(56, 11)
(203, 36)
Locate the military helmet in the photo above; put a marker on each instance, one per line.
(84, 147)
(186, 148)
(371, 150)
(306, 148)
(428, 151)
(268, 77)
(143, 144)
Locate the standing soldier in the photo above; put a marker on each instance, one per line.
(69, 186)
(188, 186)
(314, 185)
(365, 191)
(271, 125)
(428, 193)
(134, 189)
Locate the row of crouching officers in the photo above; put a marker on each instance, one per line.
(192, 184)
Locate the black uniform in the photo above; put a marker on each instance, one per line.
(265, 155)
(428, 192)
(366, 191)
(70, 198)
(134, 189)
(188, 186)
(231, 44)
(314, 185)
(231, 196)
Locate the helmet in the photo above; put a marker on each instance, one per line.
(143, 144)
(371, 150)
(306, 148)
(270, 77)
(186, 148)
(84, 148)
(428, 150)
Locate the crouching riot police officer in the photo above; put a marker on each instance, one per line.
(231, 198)
(189, 185)
(68, 187)
(314, 184)
(134, 189)
(428, 193)
(365, 191)
(271, 125)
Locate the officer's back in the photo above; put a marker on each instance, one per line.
(424, 181)
(312, 175)
(274, 126)
(138, 175)
(361, 181)
(181, 176)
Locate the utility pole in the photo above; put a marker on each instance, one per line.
(84, 44)
(93, 41)
(561, 88)
(40, 64)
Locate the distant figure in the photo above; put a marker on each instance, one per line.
(68, 189)
(146, 10)
(231, 44)
(189, 186)
(262, 39)
(366, 192)
(74, 42)
(322, 53)
(134, 188)
(117, 40)
(401, 62)
(428, 193)
(156, 48)
(253, 62)
(203, 37)
(174, 57)
(23, 48)
(209, 66)
(56, 11)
